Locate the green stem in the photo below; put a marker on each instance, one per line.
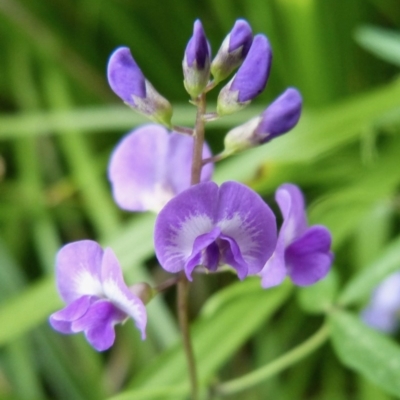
(197, 163)
(276, 366)
(183, 286)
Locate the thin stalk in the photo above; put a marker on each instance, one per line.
(183, 129)
(183, 283)
(197, 163)
(261, 374)
(163, 286)
(182, 303)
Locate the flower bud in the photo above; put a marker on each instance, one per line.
(250, 79)
(196, 62)
(143, 290)
(280, 117)
(128, 82)
(233, 50)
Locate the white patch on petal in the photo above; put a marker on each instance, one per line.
(88, 284)
(156, 200)
(119, 299)
(183, 236)
(244, 233)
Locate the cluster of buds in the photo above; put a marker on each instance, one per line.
(200, 225)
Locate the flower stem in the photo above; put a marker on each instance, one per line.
(261, 374)
(197, 162)
(182, 303)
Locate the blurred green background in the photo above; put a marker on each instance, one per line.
(59, 122)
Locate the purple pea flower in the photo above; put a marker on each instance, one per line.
(280, 117)
(150, 166)
(196, 61)
(89, 280)
(301, 252)
(383, 311)
(250, 79)
(128, 82)
(208, 226)
(233, 50)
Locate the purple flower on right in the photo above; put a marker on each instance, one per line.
(383, 310)
(302, 252)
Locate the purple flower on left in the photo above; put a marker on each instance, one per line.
(89, 280)
(150, 166)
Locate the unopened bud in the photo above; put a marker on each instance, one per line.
(142, 290)
(128, 82)
(196, 62)
(233, 50)
(250, 79)
(280, 117)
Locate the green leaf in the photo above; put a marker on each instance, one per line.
(319, 298)
(365, 281)
(366, 351)
(216, 336)
(383, 43)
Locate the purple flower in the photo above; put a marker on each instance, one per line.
(150, 166)
(196, 62)
(89, 280)
(128, 82)
(280, 117)
(383, 311)
(233, 50)
(250, 80)
(208, 226)
(301, 252)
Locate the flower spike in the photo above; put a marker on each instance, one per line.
(233, 50)
(250, 79)
(90, 281)
(150, 166)
(196, 62)
(280, 117)
(208, 226)
(128, 82)
(301, 252)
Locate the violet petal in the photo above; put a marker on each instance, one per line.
(281, 115)
(78, 267)
(125, 77)
(251, 78)
(118, 293)
(308, 258)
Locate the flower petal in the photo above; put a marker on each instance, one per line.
(248, 220)
(98, 324)
(181, 221)
(61, 320)
(291, 202)
(137, 169)
(150, 166)
(125, 77)
(382, 320)
(78, 270)
(308, 258)
(118, 293)
(201, 243)
(232, 256)
(274, 271)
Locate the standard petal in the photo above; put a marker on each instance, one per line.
(118, 293)
(98, 324)
(179, 161)
(78, 267)
(248, 220)
(137, 169)
(308, 258)
(181, 221)
(291, 203)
